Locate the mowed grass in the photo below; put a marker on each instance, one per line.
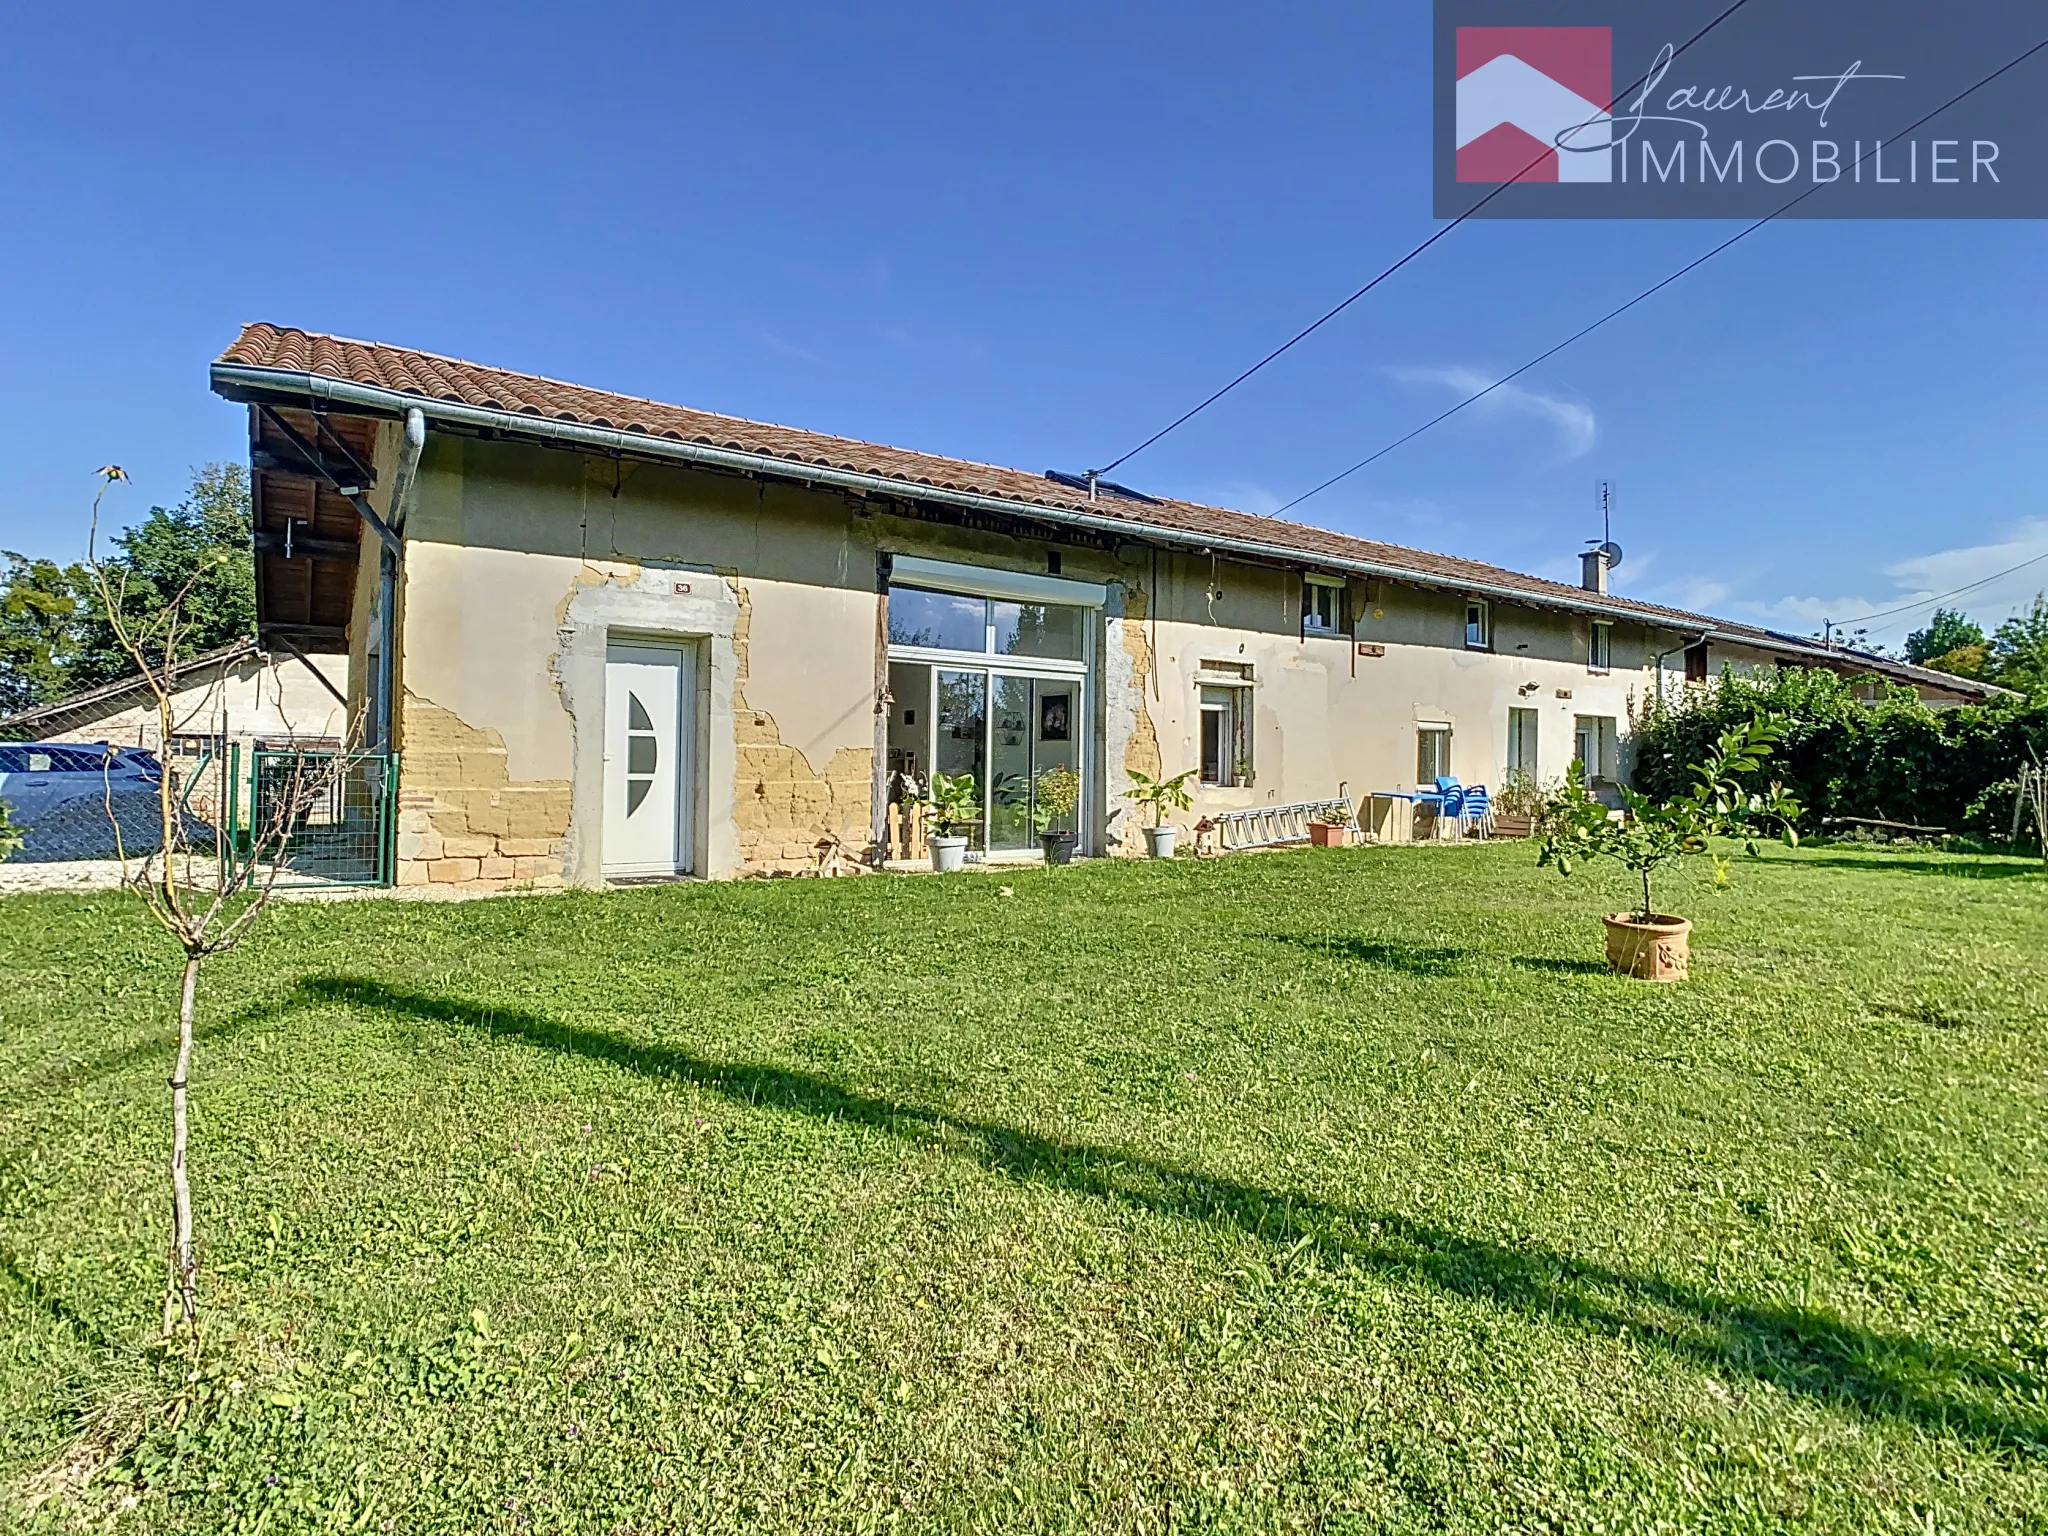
(1307, 1191)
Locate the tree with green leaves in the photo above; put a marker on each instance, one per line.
(1159, 795)
(1945, 632)
(1718, 803)
(197, 554)
(2019, 651)
(56, 635)
(42, 606)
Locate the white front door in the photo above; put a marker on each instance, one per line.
(650, 698)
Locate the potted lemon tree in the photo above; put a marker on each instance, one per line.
(952, 805)
(1646, 943)
(1161, 795)
(1058, 795)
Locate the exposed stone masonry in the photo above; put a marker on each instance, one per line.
(462, 819)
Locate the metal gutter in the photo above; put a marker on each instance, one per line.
(230, 377)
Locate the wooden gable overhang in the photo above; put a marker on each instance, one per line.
(308, 536)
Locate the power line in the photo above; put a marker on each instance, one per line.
(1658, 287)
(1331, 314)
(1944, 597)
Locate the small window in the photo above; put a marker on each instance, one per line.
(1600, 648)
(1051, 630)
(1322, 606)
(951, 621)
(1696, 663)
(1226, 737)
(1432, 753)
(1478, 626)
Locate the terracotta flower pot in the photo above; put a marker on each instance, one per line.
(1328, 834)
(1657, 950)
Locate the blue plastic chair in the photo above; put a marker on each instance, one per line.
(1478, 809)
(1448, 802)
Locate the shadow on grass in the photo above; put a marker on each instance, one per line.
(1411, 959)
(1561, 967)
(46, 1301)
(1937, 1388)
(1954, 869)
(1424, 959)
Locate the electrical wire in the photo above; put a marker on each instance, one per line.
(1658, 287)
(1926, 602)
(1331, 314)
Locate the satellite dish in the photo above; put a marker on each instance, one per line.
(1612, 551)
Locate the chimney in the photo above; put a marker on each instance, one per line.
(1593, 571)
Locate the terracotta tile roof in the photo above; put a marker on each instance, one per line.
(430, 378)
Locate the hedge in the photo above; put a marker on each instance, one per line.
(1896, 759)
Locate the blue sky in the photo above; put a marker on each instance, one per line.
(1030, 238)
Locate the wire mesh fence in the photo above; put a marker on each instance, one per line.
(322, 816)
(93, 803)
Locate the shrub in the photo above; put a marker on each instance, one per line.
(1896, 759)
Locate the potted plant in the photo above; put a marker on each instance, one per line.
(951, 804)
(1161, 795)
(1646, 943)
(1058, 795)
(1328, 834)
(1519, 803)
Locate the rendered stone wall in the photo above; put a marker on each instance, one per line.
(783, 804)
(522, 562)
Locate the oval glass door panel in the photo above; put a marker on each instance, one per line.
(649, 690)
(643, 753)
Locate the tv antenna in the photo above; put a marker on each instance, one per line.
(1606, 544)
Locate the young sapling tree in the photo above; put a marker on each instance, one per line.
(1578, 827)
(205, 904)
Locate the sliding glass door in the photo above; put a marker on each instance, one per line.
(1031, 742)
(1009, 731)
(960, 728)
(993, 684)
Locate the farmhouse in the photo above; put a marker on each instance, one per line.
(609, 638)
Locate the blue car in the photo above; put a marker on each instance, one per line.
(60, 796)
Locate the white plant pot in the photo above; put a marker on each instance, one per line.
(949, 854)
(1159, 841)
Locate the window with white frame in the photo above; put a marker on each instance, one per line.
(1478, 625)
(1432, 753)
(1600, 646)
(1322, 606)
(1226, 735)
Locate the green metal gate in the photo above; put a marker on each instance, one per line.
(326, 817)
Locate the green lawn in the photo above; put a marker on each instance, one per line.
(1325, 1191)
